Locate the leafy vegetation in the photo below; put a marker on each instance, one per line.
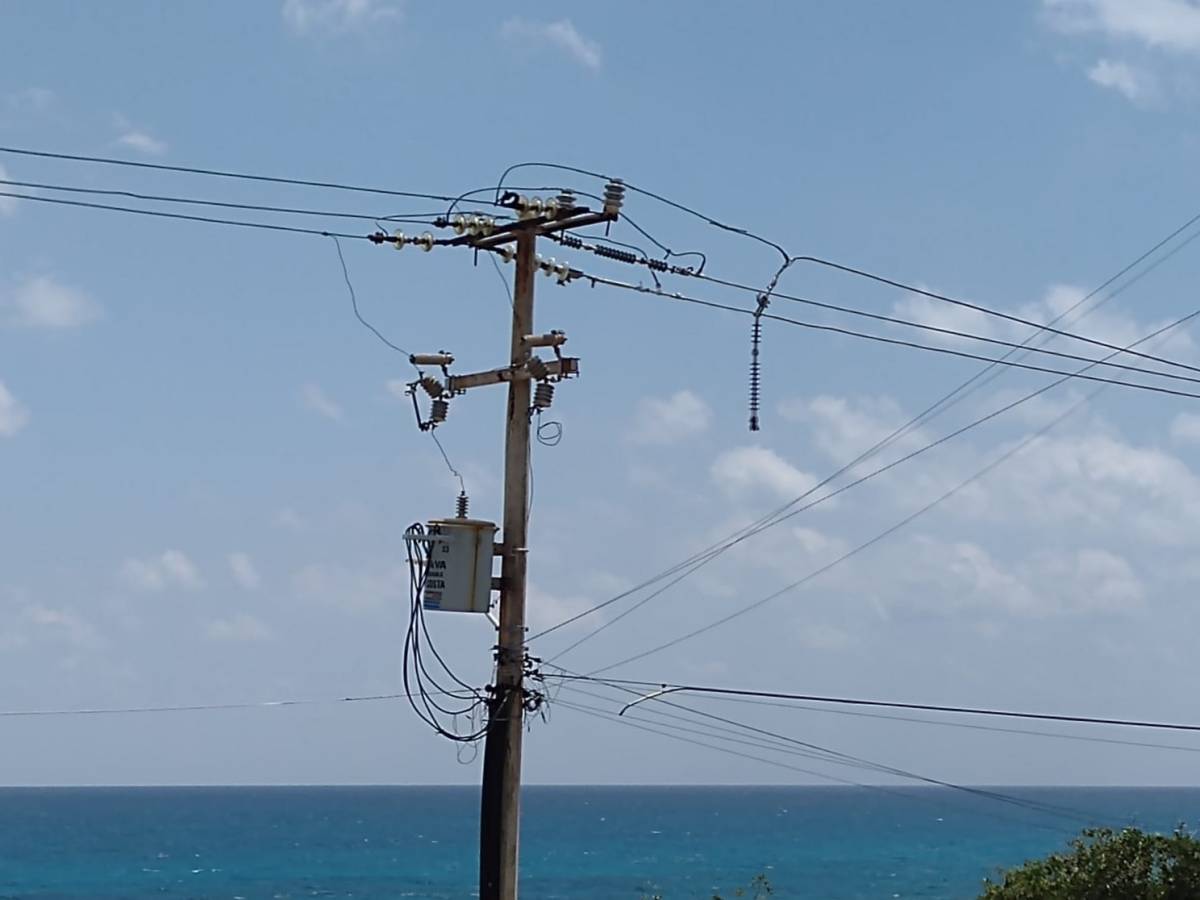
(1108, 865)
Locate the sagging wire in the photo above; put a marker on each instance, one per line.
(394, 346)
(417, 677)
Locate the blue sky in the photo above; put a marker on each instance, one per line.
(205, 471)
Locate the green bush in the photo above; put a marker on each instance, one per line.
(1108, 865)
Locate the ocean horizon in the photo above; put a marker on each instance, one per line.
(582, 842)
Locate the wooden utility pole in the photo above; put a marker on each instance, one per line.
(500, 800)
(500, 808)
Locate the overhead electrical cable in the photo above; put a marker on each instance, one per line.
(191, 707)
(422, 218)
(929, 348)
(966, 335)
(664, 687)
(860, 762)
(220, 173)
(939, 407)
(950, 723)
(682, 571)
(887, 532)
(662, 731)
(163, 214)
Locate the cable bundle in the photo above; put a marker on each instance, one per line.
(458, 699)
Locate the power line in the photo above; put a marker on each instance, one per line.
(848, 332)
(354, 303)
(638, 725)
(673, 687)
(193, 707)
(841, 758)
(956, 395)
(219, 173)
(661, 199)
(859, 713)
(422, 218)
(977, 307)
(161, 214)
(781, 515)
(972, 726)
(953, 332)
(980, 473)
(394, 346)
(777, 516)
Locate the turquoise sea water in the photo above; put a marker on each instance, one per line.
(583, 843)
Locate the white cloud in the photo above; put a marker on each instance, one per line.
(1185, 428)
(1163, 35)
(744, 468)
(1134, 84)
(546, 609)
(8, 205)
(43, 302)
(1159, 24)
(562, 35)
(311, 16)
(71, 627)
(959, 577)
(143, 142)
(239, 627)
(1105, 325)
(843, 428)
(667, 420)
(315, 399)
(13, 414)
(352, 589)
(244, 572)
(170, 569)
(1098, 482)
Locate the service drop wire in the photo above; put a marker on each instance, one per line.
(838, 757)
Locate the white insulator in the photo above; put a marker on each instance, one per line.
(425, 241)
(549, 266)
(400, 239)
(550, 339)
(431, 359)
(535, 206)
(507, 253)
(460, 224)
(551, 208)
(563, 271)
(488, 226)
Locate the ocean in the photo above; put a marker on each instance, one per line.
(582, 843)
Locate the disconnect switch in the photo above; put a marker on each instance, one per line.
(458, 575)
